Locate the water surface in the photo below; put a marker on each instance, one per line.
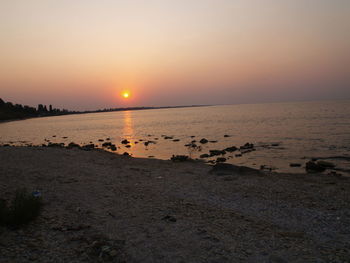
(298, 131)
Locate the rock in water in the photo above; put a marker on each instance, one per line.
(203, 141)
(231, 149)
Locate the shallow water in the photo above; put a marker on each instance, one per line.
(298, 131)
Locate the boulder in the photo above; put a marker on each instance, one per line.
(125, 141)
(295, 164)
(113, 148)
(220, 159)
(326, 164)
(73, 145)
(203, 141)
(231, 149)
(216, 152)
(312, 167)
(89, 146)
(205, 155)
(247, 146)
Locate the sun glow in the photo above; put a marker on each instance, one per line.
(126, 95)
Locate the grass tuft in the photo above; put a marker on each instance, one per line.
(23, 209)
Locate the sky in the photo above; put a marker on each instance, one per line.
(83, 54)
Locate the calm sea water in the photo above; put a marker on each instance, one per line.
(301, 131)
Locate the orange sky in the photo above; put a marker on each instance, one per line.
(82, 54)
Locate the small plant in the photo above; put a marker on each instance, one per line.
(24, 208)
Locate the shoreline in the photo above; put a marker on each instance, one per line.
(124, 209)
(104, 111)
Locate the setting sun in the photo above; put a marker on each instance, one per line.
(126, 95)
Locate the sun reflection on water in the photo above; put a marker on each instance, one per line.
(128, 130)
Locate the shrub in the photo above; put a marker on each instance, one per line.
(24, 208)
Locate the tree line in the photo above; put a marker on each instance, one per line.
(10, 111)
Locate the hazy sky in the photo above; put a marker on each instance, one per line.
(81, 54)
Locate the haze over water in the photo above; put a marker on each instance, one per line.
(297, 130)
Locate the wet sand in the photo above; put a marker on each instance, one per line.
(104, 207)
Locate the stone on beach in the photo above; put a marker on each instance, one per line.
(313, 167)
(73, 145)
(326, 164)
(179, 158)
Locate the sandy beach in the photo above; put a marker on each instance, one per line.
(104, 207)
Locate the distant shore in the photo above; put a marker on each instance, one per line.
(104, 206)
(9, 114)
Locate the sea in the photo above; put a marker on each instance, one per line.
(282, 133)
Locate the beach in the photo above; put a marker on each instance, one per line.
(104, 207)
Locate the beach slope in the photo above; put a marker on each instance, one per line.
(104, 207)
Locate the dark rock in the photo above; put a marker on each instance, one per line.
(50, 144)
(128, 146)
(275, 144)
(192, 136)
(136, 142)
(65, 137)
(213, 141)
(203, 141)
(108, 139)
(238, 155)
(247, 146)
(205, 155)
(216, 152)
(226, 135)
(179, 158)
(220, 159)
(106, 144)
(100, 140)
(73, 145)
(125, 141)
(176, 140)
(126, 154)
(149, 142)
(326, 164)
(295, 164)
(231, 149)
(113, 147)
(88, 146)
(312, 167)
(168, 137)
